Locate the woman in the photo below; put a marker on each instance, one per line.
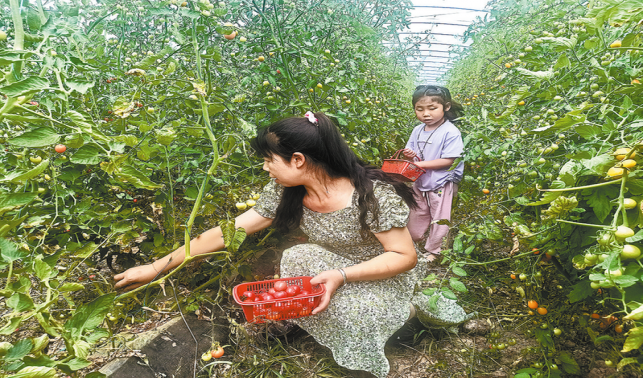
(359, 247)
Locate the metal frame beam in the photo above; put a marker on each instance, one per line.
(441, 7)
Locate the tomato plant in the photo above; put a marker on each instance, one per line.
(135, 116)
(557, 139)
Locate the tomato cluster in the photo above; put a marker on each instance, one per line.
(275, 304)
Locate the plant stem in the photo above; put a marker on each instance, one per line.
(495, 261)
(582, 187)
(585, 224)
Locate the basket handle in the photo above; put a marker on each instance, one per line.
(397, 154)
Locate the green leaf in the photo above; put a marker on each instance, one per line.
(70, 286)
(539, 75)
(19, 350)
(11, 326)
(549, 196)
(433, 302)
(7, 58)
(626, 361)
(74, 364)
(599, 164)
(40, 137)
(89, 316)
(569, 363)
(600, 200)
(24, 87)
(35, 372)
(43, 271)
(459, 271)
(634, 339)
(580, 291)
(562, 62)
(90, 153)
(626, 281)
(96, 374)
(588, 131)
(8, 225)
(457, 285)
(544, 337)
(9, 251)
(45, 321)
(431, 277)
(80, 86)
(81, 348)
(136, 178)
(449, 294)
(561, 43)
(91, 247)
(20, 177)
(128, 140)
(20, 302)
(232, 238)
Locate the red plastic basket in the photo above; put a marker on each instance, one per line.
(403, 170)
(278, 309)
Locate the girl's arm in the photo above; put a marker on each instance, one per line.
(435, 164)
(400, 256)
(209, 241)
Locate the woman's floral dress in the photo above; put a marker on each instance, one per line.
(363, 315)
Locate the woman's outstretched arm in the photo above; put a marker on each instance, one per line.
(209, 241)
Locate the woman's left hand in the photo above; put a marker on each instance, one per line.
(332, 279)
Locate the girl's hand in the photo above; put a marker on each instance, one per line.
(332, 279)
(409, 153)
(135, 277)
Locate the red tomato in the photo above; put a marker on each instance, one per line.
(216, 353)
(268, 297)
(249, 294)
(258, 299)
(280, 286)
(272, 291)
(293, 290)
(280, 294)
(304, 293)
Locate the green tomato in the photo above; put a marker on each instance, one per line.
(630, 252)
(629, 203)
(623, 232)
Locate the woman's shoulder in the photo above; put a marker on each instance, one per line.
(382, 188)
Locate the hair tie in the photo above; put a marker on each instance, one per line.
(311, 118)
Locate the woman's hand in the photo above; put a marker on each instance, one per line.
(409, 153)
(135, 277)
(332, 279)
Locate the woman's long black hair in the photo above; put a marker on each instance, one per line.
(326, 152)
(441, 95)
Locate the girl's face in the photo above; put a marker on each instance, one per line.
(285, 173)
(430, 112)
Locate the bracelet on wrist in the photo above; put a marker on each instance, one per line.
(343, 274)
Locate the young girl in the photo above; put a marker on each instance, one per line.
(436, 143)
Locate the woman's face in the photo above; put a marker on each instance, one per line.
(429, 111)
(286, 173)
